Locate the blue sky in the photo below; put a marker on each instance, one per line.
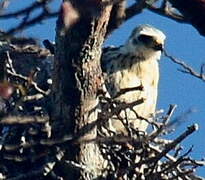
(183, 42)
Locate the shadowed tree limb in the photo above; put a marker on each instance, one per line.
(167, 12)
(121, 14)
(194, 11)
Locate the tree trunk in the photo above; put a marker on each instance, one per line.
(76, 81)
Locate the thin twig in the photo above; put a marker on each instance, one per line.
(31, 22)
(26, 10)
(178, 140)
(13, 72)
(125, 90)
(186, 68)
(166, 119)
(178, 161)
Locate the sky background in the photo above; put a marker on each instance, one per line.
(175, 87)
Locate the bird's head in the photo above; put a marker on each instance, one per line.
(147, 40)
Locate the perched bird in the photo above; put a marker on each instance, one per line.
(133, 64)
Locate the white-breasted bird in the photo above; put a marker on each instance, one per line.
(133, 64)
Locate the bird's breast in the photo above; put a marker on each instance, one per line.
(144, 73)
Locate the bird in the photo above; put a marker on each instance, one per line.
(132, 65)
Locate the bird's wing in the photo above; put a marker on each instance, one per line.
(108, 54)
(110, 65)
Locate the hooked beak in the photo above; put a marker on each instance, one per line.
(158, 47)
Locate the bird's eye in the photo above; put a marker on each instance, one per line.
(145, 39)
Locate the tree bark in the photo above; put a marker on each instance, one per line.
(76, 81)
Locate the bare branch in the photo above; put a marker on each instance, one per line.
(26, 13)
(12, 71)
(166, 119)
(117, 15)
(125, 90)
(23, 11)
(120, 13)
(171, 146)
(167, 12)
(31, 22)
(194, 11)
(178, 161)
(23, 119)
(186, 68)
(135, 9)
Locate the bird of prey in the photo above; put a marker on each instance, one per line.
(128, 66)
